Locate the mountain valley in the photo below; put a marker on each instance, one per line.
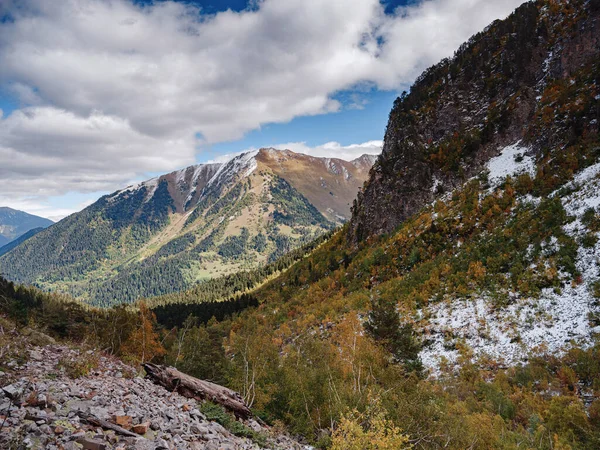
(444, 295)
(166, 234)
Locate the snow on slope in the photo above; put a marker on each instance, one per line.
(150, 185)
(512, 161)
(527, 325)
(242, 164)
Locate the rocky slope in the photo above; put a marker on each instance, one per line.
(14, 224)
(500, 88)
(165, 234)
(43, 406)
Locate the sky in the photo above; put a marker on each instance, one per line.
(98, 94)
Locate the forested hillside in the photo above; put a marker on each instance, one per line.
(12, 244)
(473, 322)
(460, 307)
(167, 234)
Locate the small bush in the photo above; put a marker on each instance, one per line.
(79, 367)
(218, 414)
(589, 240)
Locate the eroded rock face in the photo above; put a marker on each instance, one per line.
(46, 409)
(462, 112)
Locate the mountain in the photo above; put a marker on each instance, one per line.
(12, 244)
(461, 303)
(165, 234)
(15, 223)
(501, 87)
(460, 306)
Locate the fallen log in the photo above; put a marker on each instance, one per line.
(190, 387)
(97, 422)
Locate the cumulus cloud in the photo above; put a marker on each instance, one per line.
(46, 151)
(111, 89)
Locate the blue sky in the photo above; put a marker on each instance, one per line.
(96, 95)
(348, 126)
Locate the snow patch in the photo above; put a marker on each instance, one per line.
(150, 185)
(549, 323)
(346, 173)
(586, 195)
(180, 176)
(244, 164)
(510, 334)
(332, 166)
(512, 161)
(199, 171)
(436, 184)
(548, 60)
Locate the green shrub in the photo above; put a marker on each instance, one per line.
(218, 414)
(80, 366)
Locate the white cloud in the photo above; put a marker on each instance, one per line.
(46, 151)
(111, 90)
(335, 149)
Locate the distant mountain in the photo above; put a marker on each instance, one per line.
(15, 223)
(12, 244)
(165, 234)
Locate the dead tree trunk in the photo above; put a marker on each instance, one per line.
(190, 387)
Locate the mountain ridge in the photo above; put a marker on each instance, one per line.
(462, 111)
(15, 223)
(471, 317)
(165, 234)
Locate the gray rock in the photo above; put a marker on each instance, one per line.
(91, 444)
(76, 436)
(161, 444)
(202, 430)
(13, 390)
(71, 446)
(35, 355)
(46, 429)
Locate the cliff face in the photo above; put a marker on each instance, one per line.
(497, 90)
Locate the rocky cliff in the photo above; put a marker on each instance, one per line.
(507, 84)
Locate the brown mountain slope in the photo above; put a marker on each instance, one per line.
(330, 184)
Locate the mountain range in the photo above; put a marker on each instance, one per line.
(165, 234)
(14, 224)
(459, 307)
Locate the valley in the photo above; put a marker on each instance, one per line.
(166, 234)
(443, 295)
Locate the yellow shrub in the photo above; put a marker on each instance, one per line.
(368, 431)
